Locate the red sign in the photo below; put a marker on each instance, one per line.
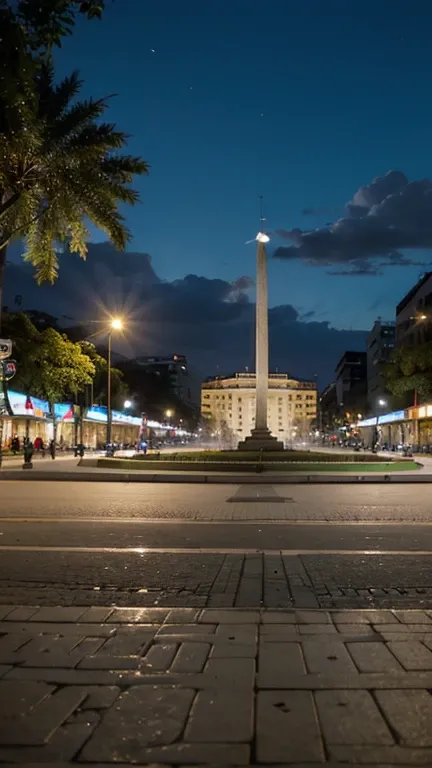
(28, 404)
(9, 369)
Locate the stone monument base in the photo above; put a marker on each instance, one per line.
(261, 440)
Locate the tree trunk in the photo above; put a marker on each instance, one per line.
(3, 255)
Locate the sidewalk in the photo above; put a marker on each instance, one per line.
(215, 687)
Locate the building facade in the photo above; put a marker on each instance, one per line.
(351, 380)
(414, 314)
(380, 343)
(229, 401)
(184, 384)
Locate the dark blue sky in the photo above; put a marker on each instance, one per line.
(311, 105)
(345, 93)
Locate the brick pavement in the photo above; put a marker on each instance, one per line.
(275, 580)
(233, 687)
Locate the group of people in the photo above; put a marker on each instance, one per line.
(16, 445)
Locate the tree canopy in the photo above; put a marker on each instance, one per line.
(410, 369)
(49, 365)
(60, 163)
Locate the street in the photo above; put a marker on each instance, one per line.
(245, 546)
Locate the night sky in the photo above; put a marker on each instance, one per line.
(303, 103)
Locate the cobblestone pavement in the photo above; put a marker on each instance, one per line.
(215, 687)
(277, 580)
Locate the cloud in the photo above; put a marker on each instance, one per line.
(385, 218)
(210, 320)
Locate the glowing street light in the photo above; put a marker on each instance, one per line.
(168, 413)
(127, 404)
(116, 324)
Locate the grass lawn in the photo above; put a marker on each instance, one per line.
(255, 467)
(251, 456)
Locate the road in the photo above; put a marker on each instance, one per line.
(226, 545)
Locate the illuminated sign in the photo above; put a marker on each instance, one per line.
(18, 402)
(388, 418)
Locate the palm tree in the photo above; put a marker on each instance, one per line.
(59, 164)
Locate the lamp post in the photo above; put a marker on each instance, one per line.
(380, 404)
(115, 325)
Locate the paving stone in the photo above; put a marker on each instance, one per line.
(313, 617)
(225, 755)
(405, 629)
(234, 650)
(64, 629)
(49, 644)
(181, 615)
(58, 614)
(222, 716)
(16, 699)
(235, 673)
(358, 630)
(89, 645)
(142, 717)
(36, 724)
(410, 715)
(373, 657)
(364, 617)
(135, 641)
(279, 661)
(242, 633)
(380, 757)
(210, 616)
(9, 644)
(287, 728)
(412, 655)
(327, 656)
(5, 610)
(402, 637)
(64, 744)
(102, 661)
(95, 614)
(22, 613)
(351, 717)
(272, 633)
(413, 617)
(100, 697)
(4, 669)
(191, 657)
(136, 616)
(278, 617)
(66, 676)
(187, 629)
(50, 660)
(317, 629)
(160, 657)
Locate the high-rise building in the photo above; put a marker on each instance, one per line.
(380, 343)
(176, 367)
(230, 402)
(414, 314)
(351, 380)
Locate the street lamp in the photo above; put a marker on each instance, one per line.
(115, 325)
(127, 404)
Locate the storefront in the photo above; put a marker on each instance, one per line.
(29, 416)
(390, 429)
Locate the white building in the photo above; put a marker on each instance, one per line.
(230, 402)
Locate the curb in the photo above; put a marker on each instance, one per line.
(133, 477)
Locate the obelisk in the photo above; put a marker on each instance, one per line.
(261, 437)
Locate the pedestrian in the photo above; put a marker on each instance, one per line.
(15, 445)
(52, 449)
